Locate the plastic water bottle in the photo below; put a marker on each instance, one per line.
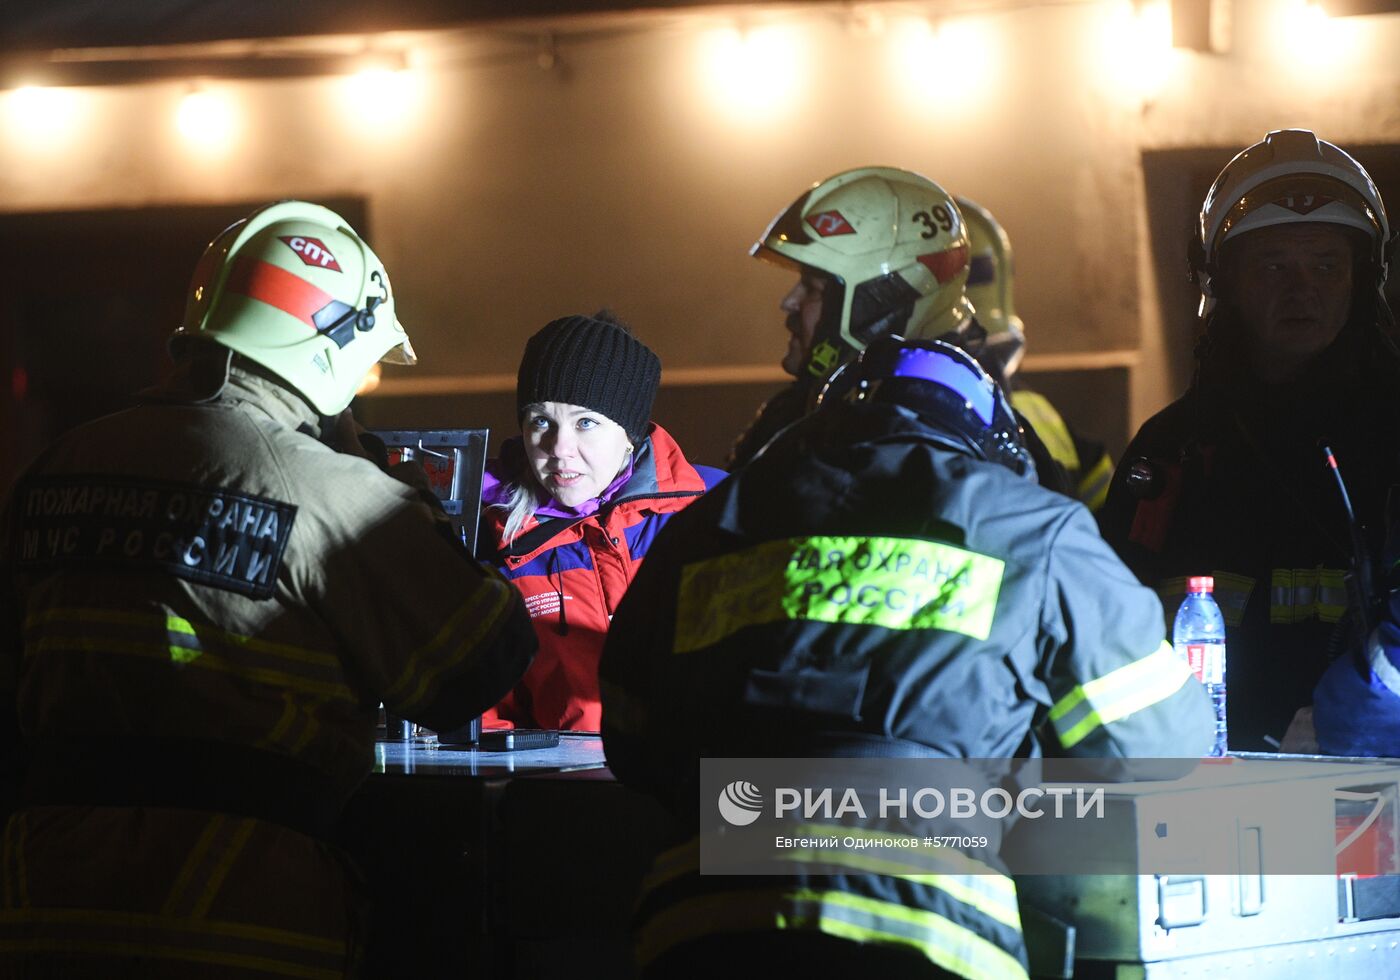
(1199, 635)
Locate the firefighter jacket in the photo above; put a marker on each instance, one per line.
(1231, 482)
(787, 406)
(864, 579)
(1060, 457)
(573, 573)
(208, 605)
(1087, 465)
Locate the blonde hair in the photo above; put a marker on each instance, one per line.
(522, 500)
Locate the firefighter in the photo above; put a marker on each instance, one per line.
(1087, 465)
(885, 579)
(208, 602)
(1232, 479)
(879, 252)
(876, 251)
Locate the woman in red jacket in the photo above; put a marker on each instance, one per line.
(570, 508)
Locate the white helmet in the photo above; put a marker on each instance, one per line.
(293, 288)
(1289, 177)
(896, 246)
(989, 281)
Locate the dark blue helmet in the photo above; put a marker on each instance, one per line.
(946, 387)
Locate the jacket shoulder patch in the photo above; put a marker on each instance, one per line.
(209, 535)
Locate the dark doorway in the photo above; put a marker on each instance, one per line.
(92, 298)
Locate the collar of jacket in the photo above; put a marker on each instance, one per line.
(210, 372)
(659, 473)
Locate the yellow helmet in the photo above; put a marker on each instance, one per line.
(896, 247)
(989, 284)
(293, 288)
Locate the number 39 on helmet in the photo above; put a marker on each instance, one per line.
(897, 248)
(293, 288)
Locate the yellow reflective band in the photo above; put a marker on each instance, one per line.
(949, 945)
(1093, 486)
(1298, 595)
(967, 889)
(207, 660)
(953, 860)
(945, 943)
(235, 847)
(123, 949)
(285, 651)
(1049, 425)
(1332, 599)
(193, 862)
(429, 663)
(621, 711)
(16, 877)
(1231, 594)
(1118, 694)
(671, 864)
(214, 927)
(893, 583)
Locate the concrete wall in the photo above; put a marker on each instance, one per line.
(509, 188)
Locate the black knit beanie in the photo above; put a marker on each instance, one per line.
(594, 362)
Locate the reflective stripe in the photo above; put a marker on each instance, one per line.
(970, 881)
(122, 950)
(221, 869)
(1332, 599)
(282, 651)
(894, 583)
(1118, 694)
(164, 636)
(1384, 670)
(1298, 595)
(265, 934)
(1093, 486)
(16, 878)
(622, 712)
(1049, 425)
(176, 902)
(1231, 594)
(671, 864)
(473, 620)
(835, 913)
(992, 895)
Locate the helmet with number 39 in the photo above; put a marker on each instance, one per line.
(293, 288)
(896, 248)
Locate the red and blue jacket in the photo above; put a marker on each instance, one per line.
(573, 573)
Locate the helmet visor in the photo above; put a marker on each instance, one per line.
(786, 227)
(1296, 198)
(400, 353)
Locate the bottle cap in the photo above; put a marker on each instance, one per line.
(1200, 583)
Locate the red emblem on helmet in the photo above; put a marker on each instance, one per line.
(1304, 203)
(829, 223)
(945, 265)
(312, 251)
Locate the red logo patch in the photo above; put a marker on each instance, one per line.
(946, 264)
(312, 251)
(830, 223)
(1304, 203)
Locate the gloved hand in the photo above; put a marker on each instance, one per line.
(1356, 705)
(353, 439)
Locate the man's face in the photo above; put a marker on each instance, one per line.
(803, 306)
(1291, 288)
